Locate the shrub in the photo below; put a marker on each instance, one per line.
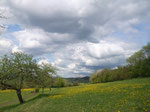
(37, 90)
(60, 82)
(75, 83)
(108, 75)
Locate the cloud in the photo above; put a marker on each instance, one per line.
(88, 57)
(104, 50)
(16, 49)
(43, 61)
(78, 36)
(79, 18)
(5, 46)
(37, 41)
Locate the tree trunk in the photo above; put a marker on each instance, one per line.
(19, 96)
(50, 89)
(42, 90)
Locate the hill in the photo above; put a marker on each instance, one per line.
(120, 96)
(79, 79)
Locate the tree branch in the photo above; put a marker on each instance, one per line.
(8, 86)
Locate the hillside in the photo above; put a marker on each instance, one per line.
(79, 79)
(120, 96)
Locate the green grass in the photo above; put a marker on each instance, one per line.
(120, 96)
(11, 97)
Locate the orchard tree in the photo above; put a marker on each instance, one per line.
(45, 76)
(60, 82)
(16, 69)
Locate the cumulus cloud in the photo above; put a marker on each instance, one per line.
(88, 57)
(5, 46)
(80, 18)
(81, 36)
(38, 42)
(16, 49)
(43, 61)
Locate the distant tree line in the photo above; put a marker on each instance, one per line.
(79, 79)
(138, 65)
(62, 82)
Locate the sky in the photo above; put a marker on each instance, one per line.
(78, 37)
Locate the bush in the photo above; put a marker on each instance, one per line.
(37, 90)
(60, 82)
(75, 83)
(108, 75)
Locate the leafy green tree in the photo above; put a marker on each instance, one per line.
(139, 62)
(45, 78)
(108, 75)
(60, 82)
(138, 66)
(17, 69)
(146, 51)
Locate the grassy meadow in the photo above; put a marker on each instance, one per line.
(120, 96)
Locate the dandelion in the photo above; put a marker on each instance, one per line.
(56, 96)
(6, 91)
(28, 89)
(145, 109)
(10, 90)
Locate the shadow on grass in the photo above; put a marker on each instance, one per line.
(9, 107)
(4, 108)
(37, 97)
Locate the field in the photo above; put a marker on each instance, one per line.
(120, 96)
